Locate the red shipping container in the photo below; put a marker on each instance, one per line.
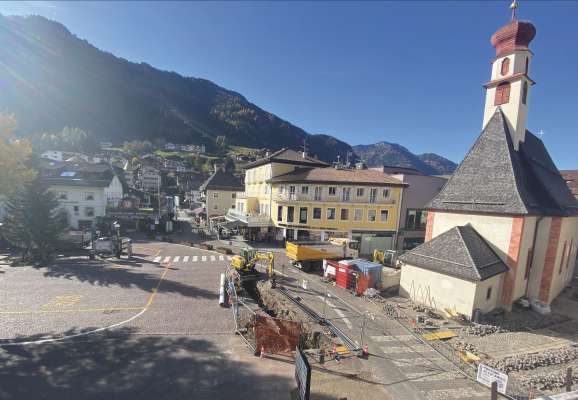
(344, 277)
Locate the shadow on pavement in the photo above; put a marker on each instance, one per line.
(122, 365)
(92, 272)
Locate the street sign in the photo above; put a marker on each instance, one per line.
(302, 374)
(487, 375)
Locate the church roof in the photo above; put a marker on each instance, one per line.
(459, 252)
(495, 178)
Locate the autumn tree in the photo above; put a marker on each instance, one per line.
(14, 157)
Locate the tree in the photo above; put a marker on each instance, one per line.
(221, 143)
(137, 147)
(34, 221)
(68, 139)
(14, 156)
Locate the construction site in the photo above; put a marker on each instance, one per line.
(342, 324)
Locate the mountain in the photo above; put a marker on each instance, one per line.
(51, 79)
(384, 153)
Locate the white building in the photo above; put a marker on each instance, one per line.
(83, 190)
(149, 178)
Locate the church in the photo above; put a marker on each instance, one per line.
(505, 225)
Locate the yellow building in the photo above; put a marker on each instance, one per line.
(295, 197)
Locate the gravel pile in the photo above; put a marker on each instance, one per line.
(481, 330)
(465, 346)
(525, 362)
(548, 382)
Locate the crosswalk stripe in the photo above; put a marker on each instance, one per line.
(221, 258)
(212, 258)
(158, 259)
(204, 258)
(195, 258)
(229, 258)
(176, 259)
(186, 259)
(167, 259)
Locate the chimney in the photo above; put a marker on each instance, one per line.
(304, 154)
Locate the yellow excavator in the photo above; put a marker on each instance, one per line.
(245, 263)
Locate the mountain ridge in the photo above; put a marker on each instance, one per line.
(386, 153)
(51, 79)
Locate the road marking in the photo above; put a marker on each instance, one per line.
(63, 301)
(176, 259)
(229, 258)
(167, 259)
(212, 258)
(70, 310)
(186, 259)
(221, 258)
(195, 258)
(339, 312)
(104, 328)
(158, 259)
(204, 258)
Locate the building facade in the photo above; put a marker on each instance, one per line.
(149, 178)
(509, 192)
(219, 192)
(83, 191)
(289, 196)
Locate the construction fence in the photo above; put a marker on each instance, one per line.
(263, 332)
(514, 389)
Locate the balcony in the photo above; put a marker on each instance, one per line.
(333, 199)
(251, 219)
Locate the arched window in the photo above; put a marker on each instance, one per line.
(524, 92)
(505, 66)
(502, 94)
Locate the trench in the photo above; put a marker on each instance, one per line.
(275, 305)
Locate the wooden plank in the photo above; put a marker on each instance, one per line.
(439, 335)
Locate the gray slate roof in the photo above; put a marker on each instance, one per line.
(221, 180)
(459, 252)
(288, 156)
(495, 178)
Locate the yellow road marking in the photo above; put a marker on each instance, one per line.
(155, 290)
(142, 309)
(63, 301)
(71, 310)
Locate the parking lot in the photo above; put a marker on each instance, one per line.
(99, 329)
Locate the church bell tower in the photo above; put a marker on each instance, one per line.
(510, 83)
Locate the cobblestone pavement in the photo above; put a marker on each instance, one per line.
(124, 329)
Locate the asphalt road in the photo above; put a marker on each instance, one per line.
(149, 328)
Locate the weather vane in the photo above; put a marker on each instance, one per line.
(514, 7)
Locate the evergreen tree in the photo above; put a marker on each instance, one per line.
(34, 222)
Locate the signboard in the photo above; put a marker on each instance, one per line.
(487, 375)
(302, 374)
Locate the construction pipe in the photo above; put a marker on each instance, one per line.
(222, 291)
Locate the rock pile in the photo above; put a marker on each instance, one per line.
(547, 382)
(525, 362)
(483, 330)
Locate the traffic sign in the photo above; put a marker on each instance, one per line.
(487, 375)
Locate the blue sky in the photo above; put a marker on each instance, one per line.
(403, 72)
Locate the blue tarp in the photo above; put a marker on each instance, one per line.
(369, 268)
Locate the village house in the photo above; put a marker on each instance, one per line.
(219, 191)
(505, 226)
(571, 178)
(84, 191)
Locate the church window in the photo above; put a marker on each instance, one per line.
(505, 66)
(502, 94)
